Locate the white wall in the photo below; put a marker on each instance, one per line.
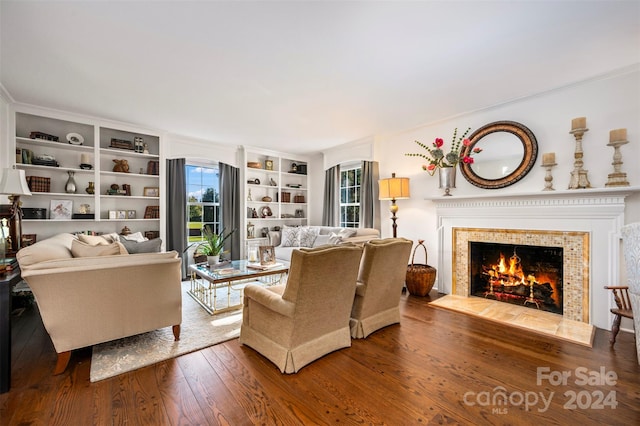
(6, 156)
(360, 150)
(315, 170)
(176, 146)
(609, 102)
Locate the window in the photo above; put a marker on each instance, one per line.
(350, 180)
(203, 200)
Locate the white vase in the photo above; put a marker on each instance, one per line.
(447, 178)
(70, 186)
(213, 260)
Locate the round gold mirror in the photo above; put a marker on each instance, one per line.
(509, 150)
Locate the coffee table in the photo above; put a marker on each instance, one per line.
(207, 282)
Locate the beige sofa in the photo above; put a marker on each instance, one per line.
(324, 235)
(84, 301)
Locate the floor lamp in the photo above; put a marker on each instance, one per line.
(393, 189)
(14, 184)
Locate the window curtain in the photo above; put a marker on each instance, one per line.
(369, 203)
(177, 210)
(331, 206)
(230, 205)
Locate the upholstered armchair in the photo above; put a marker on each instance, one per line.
(631, 247)
(297, 323)
(382, 275)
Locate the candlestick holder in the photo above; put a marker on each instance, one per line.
(579, 177)
(617, 178)
(548, 178)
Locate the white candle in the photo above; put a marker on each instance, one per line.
(253, 255)
(618, 135)
(579, 123)
(548, 158)
(4, 232)
(84, 159)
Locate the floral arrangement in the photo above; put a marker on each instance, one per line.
(438, 159)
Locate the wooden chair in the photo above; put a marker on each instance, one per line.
(623, 309)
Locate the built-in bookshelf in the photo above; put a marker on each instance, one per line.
(70, 163)
(276, 193)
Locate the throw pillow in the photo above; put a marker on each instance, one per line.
(321, 240)
(136, 236)
(347, 233)
(80, 249)
(290, 237)
(94, 240)
(335, 238)
(307, 236)
(112, 237)
(274, 238)
(149, 246)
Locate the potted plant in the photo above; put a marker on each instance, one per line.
(213, 244)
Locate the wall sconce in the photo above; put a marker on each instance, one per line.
(14, 184)
(393, 189)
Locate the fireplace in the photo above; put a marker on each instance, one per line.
(529, 276)
(566, 262)
(585, 222)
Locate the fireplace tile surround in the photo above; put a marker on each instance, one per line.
(575, 258)
(597, 213)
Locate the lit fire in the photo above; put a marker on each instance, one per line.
(509, 272)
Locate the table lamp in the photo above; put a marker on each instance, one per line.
(14, 184)
(393, 189)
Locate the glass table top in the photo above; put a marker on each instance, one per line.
(238, 269)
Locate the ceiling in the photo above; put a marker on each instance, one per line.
(302, 77)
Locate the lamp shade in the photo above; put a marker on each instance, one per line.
(14, 182)
(393, 188)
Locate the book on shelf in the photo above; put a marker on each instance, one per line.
(153, 167)
(152, 212)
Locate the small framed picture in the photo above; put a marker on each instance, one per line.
(122, 214)
(113, 214)
(151, 191)
(131, 214)
(61, 209)
(267, 255)
(268, 164)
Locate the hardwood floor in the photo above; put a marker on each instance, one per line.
(438, 367)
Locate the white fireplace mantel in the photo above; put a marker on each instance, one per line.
(568, 196)
(598, 211)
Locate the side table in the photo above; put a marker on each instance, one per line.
(7, 281)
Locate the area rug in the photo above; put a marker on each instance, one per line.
(199, 330)
(542, 322)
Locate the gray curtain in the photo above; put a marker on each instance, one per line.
(331, 206)
(230, 202)
(369, 203)
(177, 210)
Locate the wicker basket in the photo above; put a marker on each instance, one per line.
(420, 278)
